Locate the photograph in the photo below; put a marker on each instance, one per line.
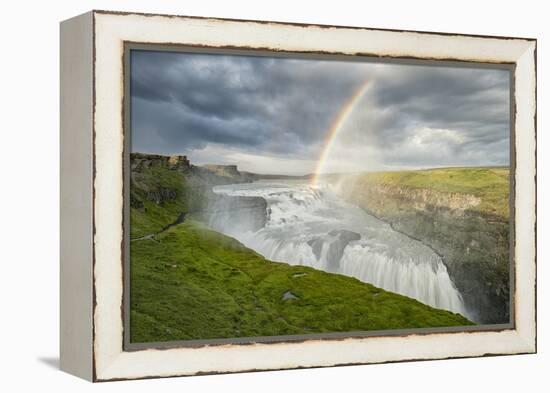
(254, 197)
(279, 195)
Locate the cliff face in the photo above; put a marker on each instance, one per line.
(465, 230)
(237, 213)
(386, 197)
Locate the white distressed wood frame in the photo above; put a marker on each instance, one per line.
(92, 167)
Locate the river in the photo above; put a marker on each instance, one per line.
(313, 226)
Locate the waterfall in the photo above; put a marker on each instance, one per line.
(314, 227)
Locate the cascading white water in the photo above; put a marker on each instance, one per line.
(316, 228)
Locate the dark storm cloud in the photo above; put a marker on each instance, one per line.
(188, 100)
(282, 107)
(447, 96)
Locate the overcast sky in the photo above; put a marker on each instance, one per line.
(272, 115)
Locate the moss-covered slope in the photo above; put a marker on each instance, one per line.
(193, 283)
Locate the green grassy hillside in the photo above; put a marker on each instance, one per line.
(194, 283)
(189, 282)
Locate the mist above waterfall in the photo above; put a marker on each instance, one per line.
(313, 226)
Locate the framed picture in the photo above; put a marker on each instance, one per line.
(246, 195)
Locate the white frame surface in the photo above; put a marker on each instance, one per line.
(111, 30)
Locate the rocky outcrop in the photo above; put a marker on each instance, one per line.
(337, 244)
(206, 174)
(139, 161)
(473, 244)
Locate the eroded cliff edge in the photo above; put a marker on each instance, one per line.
(462, 214)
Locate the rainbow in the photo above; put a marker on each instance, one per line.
(335, 128)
